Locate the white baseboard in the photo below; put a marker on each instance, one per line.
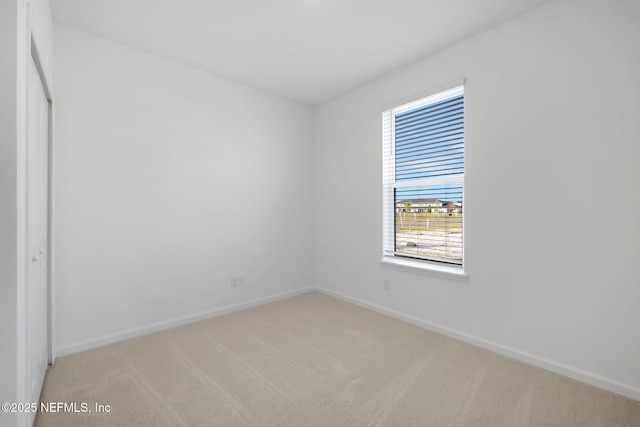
(609, 384)
(159, 326)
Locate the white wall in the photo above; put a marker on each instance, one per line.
(18, 18)
(552, 137)
(169, 182)
(42, 31)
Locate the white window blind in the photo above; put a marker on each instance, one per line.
(423, 179)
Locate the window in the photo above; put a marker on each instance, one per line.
(423, 181)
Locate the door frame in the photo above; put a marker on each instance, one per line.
(27, 50)
(50, 211)
(24, 374)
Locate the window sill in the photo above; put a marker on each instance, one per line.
(443, 271)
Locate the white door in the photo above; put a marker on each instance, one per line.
(38, 235)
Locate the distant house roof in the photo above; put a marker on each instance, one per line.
(419, 201)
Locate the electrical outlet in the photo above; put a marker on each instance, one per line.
(387, 284)
(238, 281)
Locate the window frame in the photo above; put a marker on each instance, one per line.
(390, 257)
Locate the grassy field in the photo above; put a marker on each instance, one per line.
(427, 221)
(429, 235)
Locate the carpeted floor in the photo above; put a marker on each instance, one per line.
(314, 360)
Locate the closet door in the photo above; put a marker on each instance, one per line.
(37, 234)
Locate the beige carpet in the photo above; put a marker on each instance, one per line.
(314, 360)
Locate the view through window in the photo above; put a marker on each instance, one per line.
(423, 179)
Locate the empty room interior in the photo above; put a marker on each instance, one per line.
(320, 213)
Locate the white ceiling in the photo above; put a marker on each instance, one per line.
(307, 50)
